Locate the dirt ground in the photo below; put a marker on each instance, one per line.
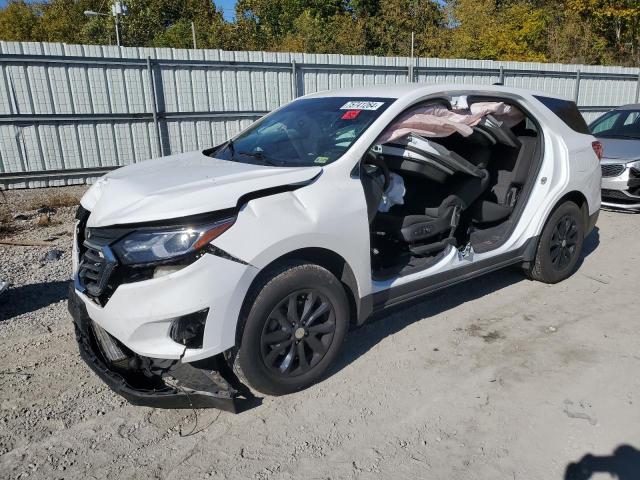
(497, 378)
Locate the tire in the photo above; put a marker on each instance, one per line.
(296, 320)
(560, 245)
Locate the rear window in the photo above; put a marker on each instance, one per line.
(623, 124)
(567, 111)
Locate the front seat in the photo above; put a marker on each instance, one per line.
(436, 223)
(505, 192)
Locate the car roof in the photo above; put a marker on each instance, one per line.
(411, 89)
(630, 106)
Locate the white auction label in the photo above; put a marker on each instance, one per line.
(361, 105)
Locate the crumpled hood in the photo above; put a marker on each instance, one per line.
(618, 148)
(180, 185)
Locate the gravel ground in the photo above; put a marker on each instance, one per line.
(499, 378)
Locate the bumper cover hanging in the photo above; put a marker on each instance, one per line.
(182, 385)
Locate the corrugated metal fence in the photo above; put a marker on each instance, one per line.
(70, 112)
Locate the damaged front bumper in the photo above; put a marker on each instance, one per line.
(159, 383)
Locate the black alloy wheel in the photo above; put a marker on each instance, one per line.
(559, 245)
(294, 321)
(298, 333)
(564, 240)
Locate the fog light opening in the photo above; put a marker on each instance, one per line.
(165, 270)
(188, 330)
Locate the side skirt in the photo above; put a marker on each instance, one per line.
(406, 292)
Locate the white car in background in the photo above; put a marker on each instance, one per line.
(200, 274)
(619, 132)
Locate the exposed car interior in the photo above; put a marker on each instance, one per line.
(457, 183)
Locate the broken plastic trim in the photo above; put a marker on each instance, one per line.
(218, 252)
(188, 330)
(208, 383)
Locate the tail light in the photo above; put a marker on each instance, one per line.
(597, 148)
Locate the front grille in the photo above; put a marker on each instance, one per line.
(96, 267)
(612, 170)
(618, 196)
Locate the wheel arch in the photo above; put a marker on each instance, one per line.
(577, 197)
(323, 257)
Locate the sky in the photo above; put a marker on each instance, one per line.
(228, 8)
(226, 5)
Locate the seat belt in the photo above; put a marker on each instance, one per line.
(512, 197)
(455, 220)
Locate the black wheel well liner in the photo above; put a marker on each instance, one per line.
(579, 199)
(323, 257)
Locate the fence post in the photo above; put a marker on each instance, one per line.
(294, 79)
(576, 90)
(501, 76)
(638, 89)
(154, 106)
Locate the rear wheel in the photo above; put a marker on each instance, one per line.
(560, 245)
(296, 321)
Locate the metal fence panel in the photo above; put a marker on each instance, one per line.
(70, 112)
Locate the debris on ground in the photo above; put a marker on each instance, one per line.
(53, 255)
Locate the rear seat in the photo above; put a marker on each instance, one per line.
(505, 192)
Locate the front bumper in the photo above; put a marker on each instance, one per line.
(196, 385)
(140, 314)
(621, 192)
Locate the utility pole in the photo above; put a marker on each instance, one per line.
(412, 42)
(412, 74)
(117, 9)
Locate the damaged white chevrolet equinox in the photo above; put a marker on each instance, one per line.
(202, 274)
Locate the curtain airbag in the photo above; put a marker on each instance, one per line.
(438, 121)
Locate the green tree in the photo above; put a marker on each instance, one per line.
(336, 33)
(484, 29)
(589, 31)
(19, 22)
(616, 20)
(391, 27)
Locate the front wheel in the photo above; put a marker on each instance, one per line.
(560, 245)
(297, 319)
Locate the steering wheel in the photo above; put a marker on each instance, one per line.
(372, 158)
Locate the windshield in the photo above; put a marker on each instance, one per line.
(314, 131)
(618, 124)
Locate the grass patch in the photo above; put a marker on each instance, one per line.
(56, 200)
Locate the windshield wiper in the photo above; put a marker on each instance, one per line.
(259, 156)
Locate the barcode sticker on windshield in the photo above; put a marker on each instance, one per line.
(361, 105)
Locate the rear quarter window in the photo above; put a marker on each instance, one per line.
(567, 111)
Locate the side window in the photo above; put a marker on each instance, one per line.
(567, 111)
(631, 118)
(606, 123)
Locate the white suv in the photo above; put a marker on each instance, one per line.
(198, 274)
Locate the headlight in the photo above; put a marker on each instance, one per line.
(634, 166)
(159, 245)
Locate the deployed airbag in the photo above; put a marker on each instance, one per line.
(394, 195)
(510, 115)
(429, 121)
(436, 120)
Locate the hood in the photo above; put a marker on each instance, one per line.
(179, 186)
(618, 148)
